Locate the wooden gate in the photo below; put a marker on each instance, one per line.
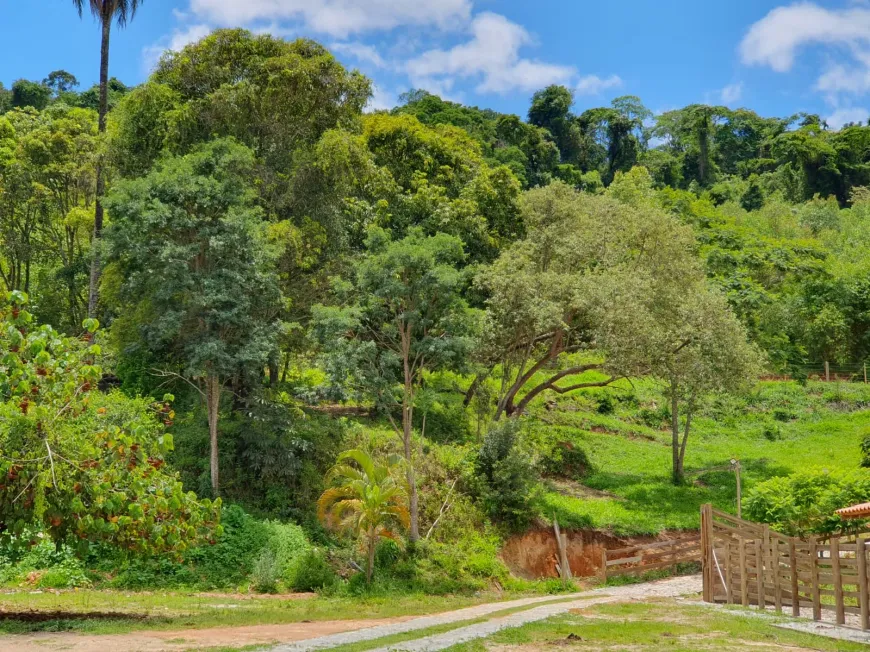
(748, 563)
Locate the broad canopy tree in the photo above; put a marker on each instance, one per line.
(189, 242)
(402, 316)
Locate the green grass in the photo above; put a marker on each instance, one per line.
(169, 610)
(779, 428)
(653, 627)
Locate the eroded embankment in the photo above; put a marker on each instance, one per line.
(534, 553)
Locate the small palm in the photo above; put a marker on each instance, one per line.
(366, 500)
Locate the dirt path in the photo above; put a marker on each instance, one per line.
(174, 641)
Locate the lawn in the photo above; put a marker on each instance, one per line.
(777, 429)
(654, 627)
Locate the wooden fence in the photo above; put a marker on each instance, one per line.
(651, 556)
(749, 564)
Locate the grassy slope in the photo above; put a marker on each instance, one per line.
(779, 428)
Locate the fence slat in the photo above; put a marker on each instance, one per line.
(838, 581)
(861, 555)
(744, 578)
(759, 573)
(817, 598)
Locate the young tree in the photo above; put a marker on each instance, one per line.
(189, 243)
(106, 12)
(367, 500)
(403, 317)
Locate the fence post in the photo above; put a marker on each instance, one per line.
(744, 576)
(863, 597)
(795, 598)
(706, 561)
(838, 580)
(759, 573)
(827, 371)
(817, 597)
(865, 373)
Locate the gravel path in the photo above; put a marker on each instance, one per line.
(548, 606)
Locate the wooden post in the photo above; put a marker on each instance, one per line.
(863, 596)
(777, 584)
(706, 545)
(729, 593)
(827, 371)
(739, 494)
(744, 575)
(795, 598)
(759, 573)
(838, 580)
(562, 543)
(817, 597)
(865, 373)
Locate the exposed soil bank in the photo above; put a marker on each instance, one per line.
(534, 554)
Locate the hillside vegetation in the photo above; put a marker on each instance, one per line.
(316, 348)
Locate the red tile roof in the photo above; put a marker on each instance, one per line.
(855, 511)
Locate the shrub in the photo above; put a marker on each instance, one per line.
(865, 449)
(505, 476)
(565, 460)
(804, 503)
(313, 572)
(264, 578)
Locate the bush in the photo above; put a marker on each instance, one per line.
(804, 503)
(865, 449)
(505, 477)
(264, 578)
(313, 573)
(565, 460)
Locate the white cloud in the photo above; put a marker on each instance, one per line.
(381, 100)
(594, 85)
(775, 39)
(731, 93)
(842, 116)
(361, 52)
(337, 17)
(492, 55)
(175, 42)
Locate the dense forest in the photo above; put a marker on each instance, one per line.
(282, 274)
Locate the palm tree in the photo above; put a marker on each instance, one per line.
(105, 11)
(367, 500)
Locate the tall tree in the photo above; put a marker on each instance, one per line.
(190, 244)
(106, 12)
(404, 317)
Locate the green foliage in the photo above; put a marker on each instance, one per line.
(504, 479)
(804, 503)
(312, 572)
(82, 465)
(366, 500)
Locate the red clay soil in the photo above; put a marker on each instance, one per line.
(534, 554)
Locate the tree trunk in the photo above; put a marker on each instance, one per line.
(213, 401)
(93, 293)
(690, 409)
(407, 430)
(370, 561)
(675, 436)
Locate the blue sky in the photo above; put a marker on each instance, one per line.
(775, 57)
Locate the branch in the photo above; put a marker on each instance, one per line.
(444, 507)
(163, 373)
(551, 385)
